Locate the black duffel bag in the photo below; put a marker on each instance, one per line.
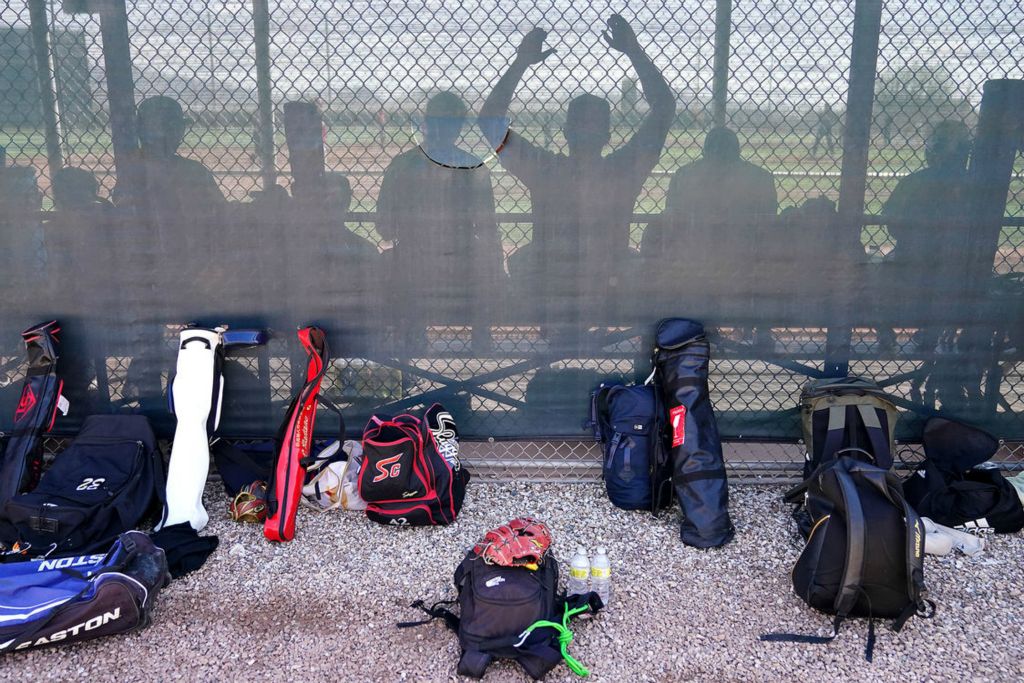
(953, 487)
(104, 484)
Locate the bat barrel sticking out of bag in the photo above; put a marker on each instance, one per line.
(295, 439)
(21, 462)
(244, 338)
(196, 396)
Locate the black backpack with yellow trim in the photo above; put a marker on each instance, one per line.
(864, 555)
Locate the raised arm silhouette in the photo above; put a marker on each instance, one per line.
(580, 255)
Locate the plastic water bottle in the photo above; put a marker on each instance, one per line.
(601, 576)
(579, 573)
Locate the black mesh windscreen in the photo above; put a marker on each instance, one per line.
(493, 217)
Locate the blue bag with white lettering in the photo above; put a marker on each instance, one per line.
(72, 599)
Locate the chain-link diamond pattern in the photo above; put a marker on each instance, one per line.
(371, 66)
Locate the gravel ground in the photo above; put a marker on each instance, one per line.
(325, 605)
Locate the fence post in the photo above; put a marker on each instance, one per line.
(1000, 124)
(117, 62)
(1000, 127)
(47, 85)
(720, 84)
(265, 104)
(860, 97)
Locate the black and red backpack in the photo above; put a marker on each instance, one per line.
(411, 474)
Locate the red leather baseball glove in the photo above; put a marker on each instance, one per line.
(250, 505)
(522, 542)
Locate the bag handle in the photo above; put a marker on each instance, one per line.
(329, 404)
(854, 449)
(598, 410)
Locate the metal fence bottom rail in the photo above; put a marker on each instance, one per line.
(579, 461)
(747, 462)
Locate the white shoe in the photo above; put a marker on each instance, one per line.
(968, 544)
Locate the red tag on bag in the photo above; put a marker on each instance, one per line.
(677, 416)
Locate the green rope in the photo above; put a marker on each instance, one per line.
(564, 637)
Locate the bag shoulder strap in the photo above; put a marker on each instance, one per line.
(886, 484)
(855, 534)
(160, 481)
(796, 494)
(599, 411)
(835, 433)
(330, 405)
(876, 435)
(436, 611)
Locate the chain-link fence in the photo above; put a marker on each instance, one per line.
(778, 74)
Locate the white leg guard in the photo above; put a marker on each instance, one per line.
(196, 394)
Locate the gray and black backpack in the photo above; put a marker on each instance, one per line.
(864, 555)
(847, 412)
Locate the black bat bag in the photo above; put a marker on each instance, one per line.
(22, 460)
(681, 357)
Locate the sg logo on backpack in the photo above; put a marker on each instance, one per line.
(385, 471)
(90, 484)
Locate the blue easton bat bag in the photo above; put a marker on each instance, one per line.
(72, 599)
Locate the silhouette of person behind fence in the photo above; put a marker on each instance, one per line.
(181, 260)
(174, 184)
(75, 189)
(823, 130)
(22, 252)
(926, 215)
(84, 240)
(806, 256)
(717, 213)
(77, 251)
(580, 258)
(437, 205)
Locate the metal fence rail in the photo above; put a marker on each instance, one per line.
(580, 461)
(836, 100)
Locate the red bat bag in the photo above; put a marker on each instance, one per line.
(295, 439)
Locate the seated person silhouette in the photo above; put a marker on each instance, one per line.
(75, 189)
(338, 200)
(178, 196)
(74, 243)
(927, 216)
(808, 258)
(173, 184)
(23, 257)
(718, 214)
(446, 263)
(579, 258)
(85, 260)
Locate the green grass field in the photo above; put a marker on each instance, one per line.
(363, 153)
